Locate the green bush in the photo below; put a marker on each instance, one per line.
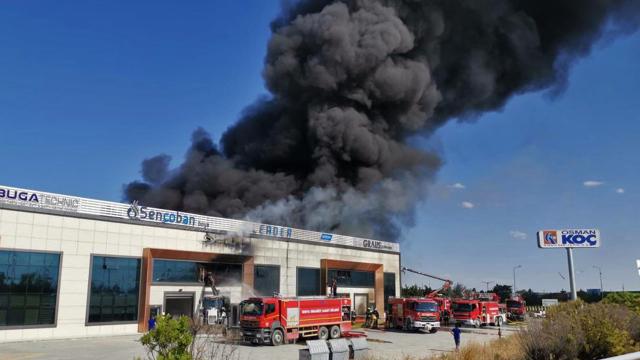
(576, 330)
(170, 340)
(630, 300)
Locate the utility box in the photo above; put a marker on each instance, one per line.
(358, 348)
(339, 349)
(316, 350)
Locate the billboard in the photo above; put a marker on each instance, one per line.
(569, 238)
(549, 302)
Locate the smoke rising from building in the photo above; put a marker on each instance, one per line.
(350, 82)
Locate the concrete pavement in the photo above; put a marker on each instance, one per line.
(383, 344)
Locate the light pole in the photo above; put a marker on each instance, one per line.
(487, 284)
(600, 272)
(514, 278)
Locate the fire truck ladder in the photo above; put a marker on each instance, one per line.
(447, 283)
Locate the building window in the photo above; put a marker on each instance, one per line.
(179, 271)
(389, 286)
(266, 280)
(28, 288)
(352, 278)
(225, 274)
(115, 285)
(175, 271)
(308, 282)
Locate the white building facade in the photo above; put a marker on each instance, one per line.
(75, 267)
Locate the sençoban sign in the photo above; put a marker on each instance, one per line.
(569, 238)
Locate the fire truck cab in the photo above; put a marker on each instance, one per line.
(476, 313)
(414, 314)
(516, 308)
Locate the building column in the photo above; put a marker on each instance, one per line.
(146, 273)
(324, 273)
(247, 278)
(379, 290)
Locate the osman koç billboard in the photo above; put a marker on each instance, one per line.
(569, 238)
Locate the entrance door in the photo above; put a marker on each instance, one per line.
(360, 302)
(178, 305)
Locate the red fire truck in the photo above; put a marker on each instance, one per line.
(516, 308)
(444, 304)
(414, 314)
(476, 312)
(276, 320)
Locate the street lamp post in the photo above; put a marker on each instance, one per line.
(600, 272)
(487, 284)
(514, 278)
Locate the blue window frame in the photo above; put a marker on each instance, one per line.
(115, 289)
(28, 288)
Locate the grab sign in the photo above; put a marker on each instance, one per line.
(569, 238)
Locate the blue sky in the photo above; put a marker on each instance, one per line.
(88, 90)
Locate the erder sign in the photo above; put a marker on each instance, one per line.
(569, 238)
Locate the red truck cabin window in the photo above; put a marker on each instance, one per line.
(270, 308)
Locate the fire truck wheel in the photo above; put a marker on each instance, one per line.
(277, 337)
(335, 332)
(433, 330)
(323, 333)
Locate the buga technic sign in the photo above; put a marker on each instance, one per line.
(569, 238)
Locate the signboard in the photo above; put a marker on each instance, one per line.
(549, 302)
(569, 238)
(23, 198)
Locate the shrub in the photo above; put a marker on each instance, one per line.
(577, 330)
(630, 300)
(507, 348)
(170, 340)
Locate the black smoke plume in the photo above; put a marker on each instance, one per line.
(350, 82)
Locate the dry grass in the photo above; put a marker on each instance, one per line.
(508, 348)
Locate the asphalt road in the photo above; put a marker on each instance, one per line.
(383, 344)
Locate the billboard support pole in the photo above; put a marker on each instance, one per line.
(572, 276)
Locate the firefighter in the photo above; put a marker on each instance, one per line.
(375, 315)
(334, 288)
(372, 316)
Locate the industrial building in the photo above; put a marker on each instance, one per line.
(76, 267)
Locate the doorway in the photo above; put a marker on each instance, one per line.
(179, 304)
(360, 302)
